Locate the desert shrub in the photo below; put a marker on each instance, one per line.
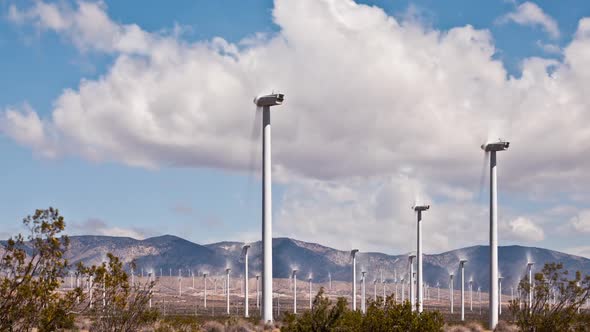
(556, 302)
(31, 270)
(470, 327)
(178, 324)
(213, 326)
(505, 327)
(391, 316)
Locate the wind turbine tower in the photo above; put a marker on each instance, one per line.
(412, 295)
(530, 270)
(492, 148)
(353, 253)
(462, 265)
(363, 301)
(266, 102)
(245, 250)
(451, 290)
(419, 209)
(500, 295)
(205, 292)
(310, 294)
(227, 289)
(294, 277)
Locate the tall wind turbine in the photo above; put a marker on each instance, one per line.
(294, 277)
(451, 290)
(470, 294)
(412, 296)
(257, 292)
(462, 266)
(310, 294)
(179, 282)
(245, 250)
(227, 271)
(500, 295)
(419, 209)
(492, 148)
(363, 301)
(266, 102)
(205, 291)
(530, 270)
(375, 290)
(353, 253)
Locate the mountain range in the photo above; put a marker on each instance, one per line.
(167, 254)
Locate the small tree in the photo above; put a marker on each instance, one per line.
(31, 271)
(556, 302)
(117, 305)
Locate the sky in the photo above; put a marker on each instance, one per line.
(135, 118)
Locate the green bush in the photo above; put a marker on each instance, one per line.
(556, 302)
(391, 316)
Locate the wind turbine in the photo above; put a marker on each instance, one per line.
(530, 270)
(227, 271)
(149, 281)
(363, 302)
(179, 281)
(266, 102)
(462, 265)
(257, 292)
(245, 251)
(205, 292)
(451, 291)
(419, 209)
(403, 290)
(412, 296)
(310, 294)
(294, 277)
(375, 290)
(492, 148)
(470, 294)
(353, 253)
(500, 295)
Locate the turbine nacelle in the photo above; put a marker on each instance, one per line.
(500, 145)
(353, 252)
(269, 100)
(294, 273)
(462, 262)
(421, 207)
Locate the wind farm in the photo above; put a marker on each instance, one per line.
(146, 187)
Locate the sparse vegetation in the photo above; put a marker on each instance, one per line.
(391, 316)
(31, 271)
(557, 301)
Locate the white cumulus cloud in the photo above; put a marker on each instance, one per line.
(530, 14)
(524, 229)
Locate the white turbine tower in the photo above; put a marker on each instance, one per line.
(462, 266)
(419, 209)
(403, 290)
(227, 271)
(266, 102)
(245, 251)
(205, 291)
(375, 290)
(530, 270)
(353, 253)
(492, 148)
(500, 295)
(451, 290)
(470, 294)
(149, 281)
(257, 291)
(412, 295)
(294, 277)
(363, 301)
(179, 282)
(310, 294)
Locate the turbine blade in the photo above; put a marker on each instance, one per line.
(484, 172)
(254, 152)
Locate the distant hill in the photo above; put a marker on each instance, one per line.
(170, 253)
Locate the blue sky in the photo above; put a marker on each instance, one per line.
(219, 199)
